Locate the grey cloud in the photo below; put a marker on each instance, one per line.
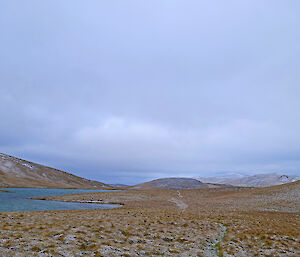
(146, 89)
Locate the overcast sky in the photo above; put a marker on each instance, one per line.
(126, 91)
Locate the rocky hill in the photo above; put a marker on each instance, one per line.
(172, 183)
(15, 172)
(259, 180)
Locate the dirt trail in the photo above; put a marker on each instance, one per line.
(213, 248)
(179, 194)
(180, 204)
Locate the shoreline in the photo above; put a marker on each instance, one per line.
(4, 191)
(26, 200)
(75, 201)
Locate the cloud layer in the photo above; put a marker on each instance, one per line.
(128, 91)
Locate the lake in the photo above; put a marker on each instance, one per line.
(16, 200)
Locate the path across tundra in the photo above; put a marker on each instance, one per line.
(180, 204)
(187, 222)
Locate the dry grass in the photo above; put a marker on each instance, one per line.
(151, 224)
(109, 233)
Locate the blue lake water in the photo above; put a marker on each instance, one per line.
(17, 200)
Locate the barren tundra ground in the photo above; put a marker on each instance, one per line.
(198, 222)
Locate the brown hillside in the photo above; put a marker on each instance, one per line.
(15, 172)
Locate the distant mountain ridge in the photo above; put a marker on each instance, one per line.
(258, 180)
(15, 172)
